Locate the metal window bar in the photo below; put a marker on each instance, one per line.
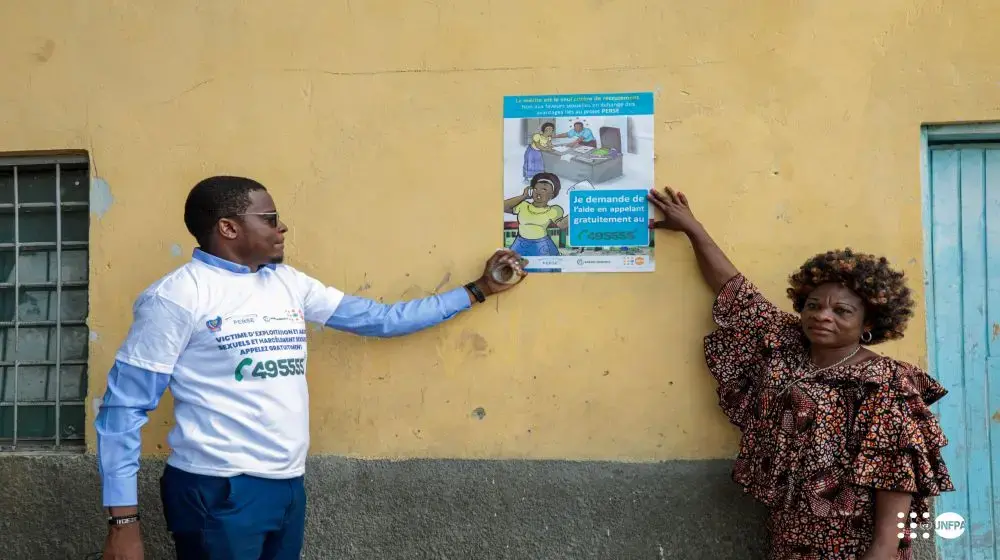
(37, 403)
(58, 315)
(46, 245)
(17, 295)
(13, 161)
(43, 205)
(58, 284)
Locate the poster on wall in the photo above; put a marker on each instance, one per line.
(576, 170)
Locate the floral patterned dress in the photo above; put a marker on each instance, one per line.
(815, 451)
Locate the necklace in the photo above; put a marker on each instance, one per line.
(844, 359)
(814, 372)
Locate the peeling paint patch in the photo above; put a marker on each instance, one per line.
(996, 331)
(996, 416)
(44, 53)
(175, 250)
(479, 413)
(474, 343)
(443, 282)
(365, 286)
(95, 407)
(100, 197)
(782, 214)
(94, 337)
(414, 291)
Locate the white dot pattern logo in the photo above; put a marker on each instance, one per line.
(914, 524)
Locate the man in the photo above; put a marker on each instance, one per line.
(580, 135)
(226, 332)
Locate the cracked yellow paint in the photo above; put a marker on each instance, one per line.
(793, 128)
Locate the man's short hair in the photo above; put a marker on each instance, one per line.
(215, 198)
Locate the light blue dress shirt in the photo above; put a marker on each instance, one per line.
(132, 391)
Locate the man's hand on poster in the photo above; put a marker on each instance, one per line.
(503, 270)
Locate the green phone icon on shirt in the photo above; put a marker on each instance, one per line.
(239, 368)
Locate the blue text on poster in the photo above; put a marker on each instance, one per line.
(609, 218)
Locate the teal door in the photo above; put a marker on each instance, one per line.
(962, 222)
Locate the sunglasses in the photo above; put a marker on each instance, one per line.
(270, 217)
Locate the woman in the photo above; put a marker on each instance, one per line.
(535, 217)
(540, 141)
(837, 440)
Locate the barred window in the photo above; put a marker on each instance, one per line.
(44, 234)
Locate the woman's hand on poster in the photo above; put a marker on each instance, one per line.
(528, 192)
(677, 215)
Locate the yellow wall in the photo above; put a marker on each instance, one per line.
(793, 127)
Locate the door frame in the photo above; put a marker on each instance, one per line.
(935, 134)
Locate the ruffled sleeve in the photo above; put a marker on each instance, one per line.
(750, 328)
(898, 438)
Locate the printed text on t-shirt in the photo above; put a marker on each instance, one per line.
(263, 341)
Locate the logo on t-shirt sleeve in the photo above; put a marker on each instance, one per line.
(288, 315)
(214, 325)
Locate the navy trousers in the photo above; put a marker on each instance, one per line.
(238, 518)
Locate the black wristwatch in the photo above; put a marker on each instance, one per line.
(123, 519)
(476, 292)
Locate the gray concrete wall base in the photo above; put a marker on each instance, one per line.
(433, 509)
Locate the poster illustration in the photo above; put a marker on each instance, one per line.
(576, 170)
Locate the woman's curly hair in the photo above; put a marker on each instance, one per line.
(888, 305)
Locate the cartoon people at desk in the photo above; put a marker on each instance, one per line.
(580, 135)
(533, 218)
(540, 141)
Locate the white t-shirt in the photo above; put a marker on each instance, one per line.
(234, 343)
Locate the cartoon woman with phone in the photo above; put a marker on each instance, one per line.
(535, 217)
